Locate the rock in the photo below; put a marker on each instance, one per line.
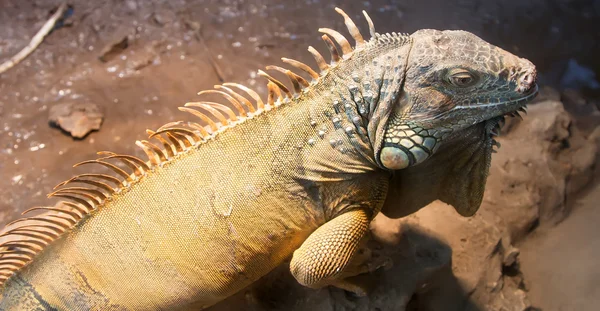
(114, 48)
(140, 59)
(162, 18)
(579, 159)
(131, 6)
(78, 119)
(548, 125)
(570, 157)
(528, 186)
(595, 135)
(511, 253)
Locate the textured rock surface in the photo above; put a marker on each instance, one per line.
(78, 119)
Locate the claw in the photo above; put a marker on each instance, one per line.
(523, 110)
(516, 114)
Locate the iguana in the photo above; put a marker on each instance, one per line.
(394, 122)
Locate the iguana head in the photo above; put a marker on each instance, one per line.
(438, 131)
(453, 80)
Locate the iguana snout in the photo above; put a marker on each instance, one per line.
(526, 81)
(454, 80)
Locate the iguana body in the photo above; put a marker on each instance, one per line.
(222, 205)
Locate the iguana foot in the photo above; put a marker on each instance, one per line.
(325, 255)
(359, 285)
(335, 254)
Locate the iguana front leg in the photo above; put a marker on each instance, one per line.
(326, 254)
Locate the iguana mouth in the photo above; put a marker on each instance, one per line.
(520, 104)
(494, 125)
(517, 103)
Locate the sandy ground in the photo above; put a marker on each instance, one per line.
(561, 264)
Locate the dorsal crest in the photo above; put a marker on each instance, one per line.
(84, 194)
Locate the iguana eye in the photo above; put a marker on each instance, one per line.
(461, 78)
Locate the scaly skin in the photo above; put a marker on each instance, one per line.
(304, 179)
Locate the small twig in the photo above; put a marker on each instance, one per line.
(197, 28)
(36, 40)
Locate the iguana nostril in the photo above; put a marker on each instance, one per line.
(525, 82)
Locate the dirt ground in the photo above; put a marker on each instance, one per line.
(165, 64)
(561, 263)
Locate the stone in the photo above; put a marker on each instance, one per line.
(115, 47)
(78, 119)
(595, 135)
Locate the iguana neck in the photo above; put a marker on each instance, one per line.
(352, 101)
(456, 174)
